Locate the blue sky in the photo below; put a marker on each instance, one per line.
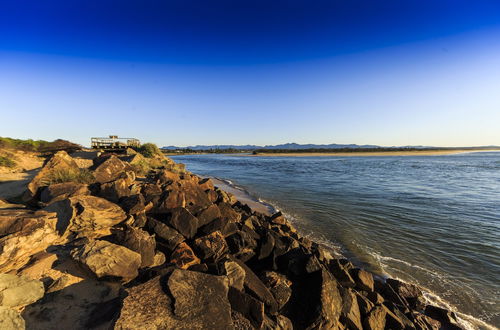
(252, 72)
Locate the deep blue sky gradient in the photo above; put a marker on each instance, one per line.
(264, 72)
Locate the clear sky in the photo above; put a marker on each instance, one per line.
(387, 72)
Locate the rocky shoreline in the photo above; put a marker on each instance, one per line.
(169, 250)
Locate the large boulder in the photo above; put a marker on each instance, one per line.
(279, 286)
(109, 260)
(115, 190)
(59, 191)
(211, 246)
(166, 236)
(59, 162)
(19, 291)
(109, 168)
(409, 292)
(87, 216)
(183, 256)
(139, 241)
(350, 315)
(184, 222)
(199, 301)
(24, 233)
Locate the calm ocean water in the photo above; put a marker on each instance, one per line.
(430, 220)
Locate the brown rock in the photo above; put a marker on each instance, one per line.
(139, 241)
(279, 285)
(211, 246)
(115, 190)
(227, 212)
(251, 308)
(19, 291)
(376, 319)
(363, 279)
(206, 184)
(235, 274)
(24, 233)
(200, 300)
(105, 259)
(166, 176)
(447, 319)
(60, 191)
(341, 273)
(133, 204)
(169, 235)
(409, 292)
(109, 168)
(87, 216)
(183, 256)
(184, 222)
(10, 319)
(350, 315)
(208, 215)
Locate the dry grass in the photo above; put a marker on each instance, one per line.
(74, 175)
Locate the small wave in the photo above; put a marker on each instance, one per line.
(466, 321)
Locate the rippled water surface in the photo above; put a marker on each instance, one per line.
(433, 220)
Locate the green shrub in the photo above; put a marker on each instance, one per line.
(7, 162)
(70, 175)
(149, 150)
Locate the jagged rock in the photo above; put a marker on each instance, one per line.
(196, 198)
(159, 259)
(363, 279)
(208, 215)
(226, 197)
(183, 256)
(279, 286)
(170, 236)
(251, 308)
(212, 246)
(375, 319)
(200, 299)
(147, 306)
(109, 168)
(350, 314)
(133, 204)
(139, 241)
(106, 259)
(212, 196)
(277, 218)
(206, 184)
(227, 212)
(184, 222)
(447, 319)
(166, 176)
(255, 286)
(316, 302)
(242, 245)
(151, 192)
(10, 319)
(19, 291)
(235, 274)
(59, 162)
(24, 233)
(87, 216)
(375, 298)
(240, 322)
(365, 305)
(60, 191)
(115, 190)
(341, 274)
(409, 292)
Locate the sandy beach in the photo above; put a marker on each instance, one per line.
(374, 153)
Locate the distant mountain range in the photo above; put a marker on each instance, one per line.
(289, 146)
(296, 146)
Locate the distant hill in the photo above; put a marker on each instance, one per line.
(288, 146)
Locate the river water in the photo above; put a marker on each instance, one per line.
(429, 220)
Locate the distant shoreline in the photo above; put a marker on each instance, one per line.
(371, 153)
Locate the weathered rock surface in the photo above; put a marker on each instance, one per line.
(24, 233)
(199, 301)
(19, 291)
(105, 259)
(109, 168)
(139, 241)
(183, 256)
(10, 319)
(60, 191)
(86, 216)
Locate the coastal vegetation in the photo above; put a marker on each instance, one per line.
(38, 145)
(7, 162)
(149, 150)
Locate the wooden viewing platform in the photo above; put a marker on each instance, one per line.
(113, 142)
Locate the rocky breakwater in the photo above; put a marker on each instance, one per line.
(171, 251)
